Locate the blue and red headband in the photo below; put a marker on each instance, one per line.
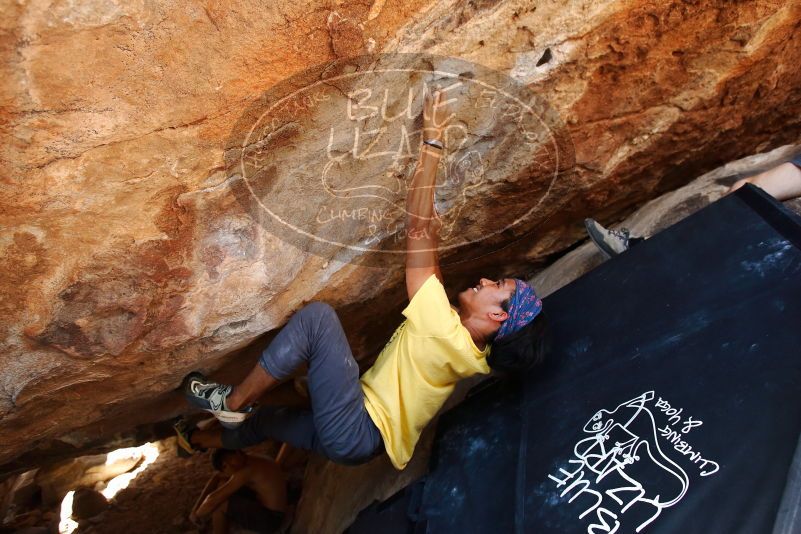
(524, 306)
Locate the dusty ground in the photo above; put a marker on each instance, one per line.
(158, 500)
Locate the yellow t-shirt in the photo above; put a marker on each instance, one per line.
(418, 369)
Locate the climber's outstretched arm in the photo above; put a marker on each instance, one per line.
(422, 228)
(422, 221)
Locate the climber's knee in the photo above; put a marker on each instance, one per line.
(317, 310)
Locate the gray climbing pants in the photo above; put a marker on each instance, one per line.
(338, 425)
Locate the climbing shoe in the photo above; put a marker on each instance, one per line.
(609, 242)
(183, 433)
(210, 396)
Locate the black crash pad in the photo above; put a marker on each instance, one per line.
(671, 401)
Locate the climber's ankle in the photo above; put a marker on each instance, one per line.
(235, 401)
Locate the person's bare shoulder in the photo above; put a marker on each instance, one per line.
(263, 465)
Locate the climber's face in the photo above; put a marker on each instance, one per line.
(485, 298)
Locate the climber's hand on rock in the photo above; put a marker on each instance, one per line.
(435, 116)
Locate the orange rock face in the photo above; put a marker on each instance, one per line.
(127, 259)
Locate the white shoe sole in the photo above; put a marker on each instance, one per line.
(229, 419)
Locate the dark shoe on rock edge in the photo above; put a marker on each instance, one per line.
(609, 242)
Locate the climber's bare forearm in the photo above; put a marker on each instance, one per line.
(221, 494)
(420, 199)
(421, 226)
(210, 486)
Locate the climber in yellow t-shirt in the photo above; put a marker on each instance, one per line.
(435, 347)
